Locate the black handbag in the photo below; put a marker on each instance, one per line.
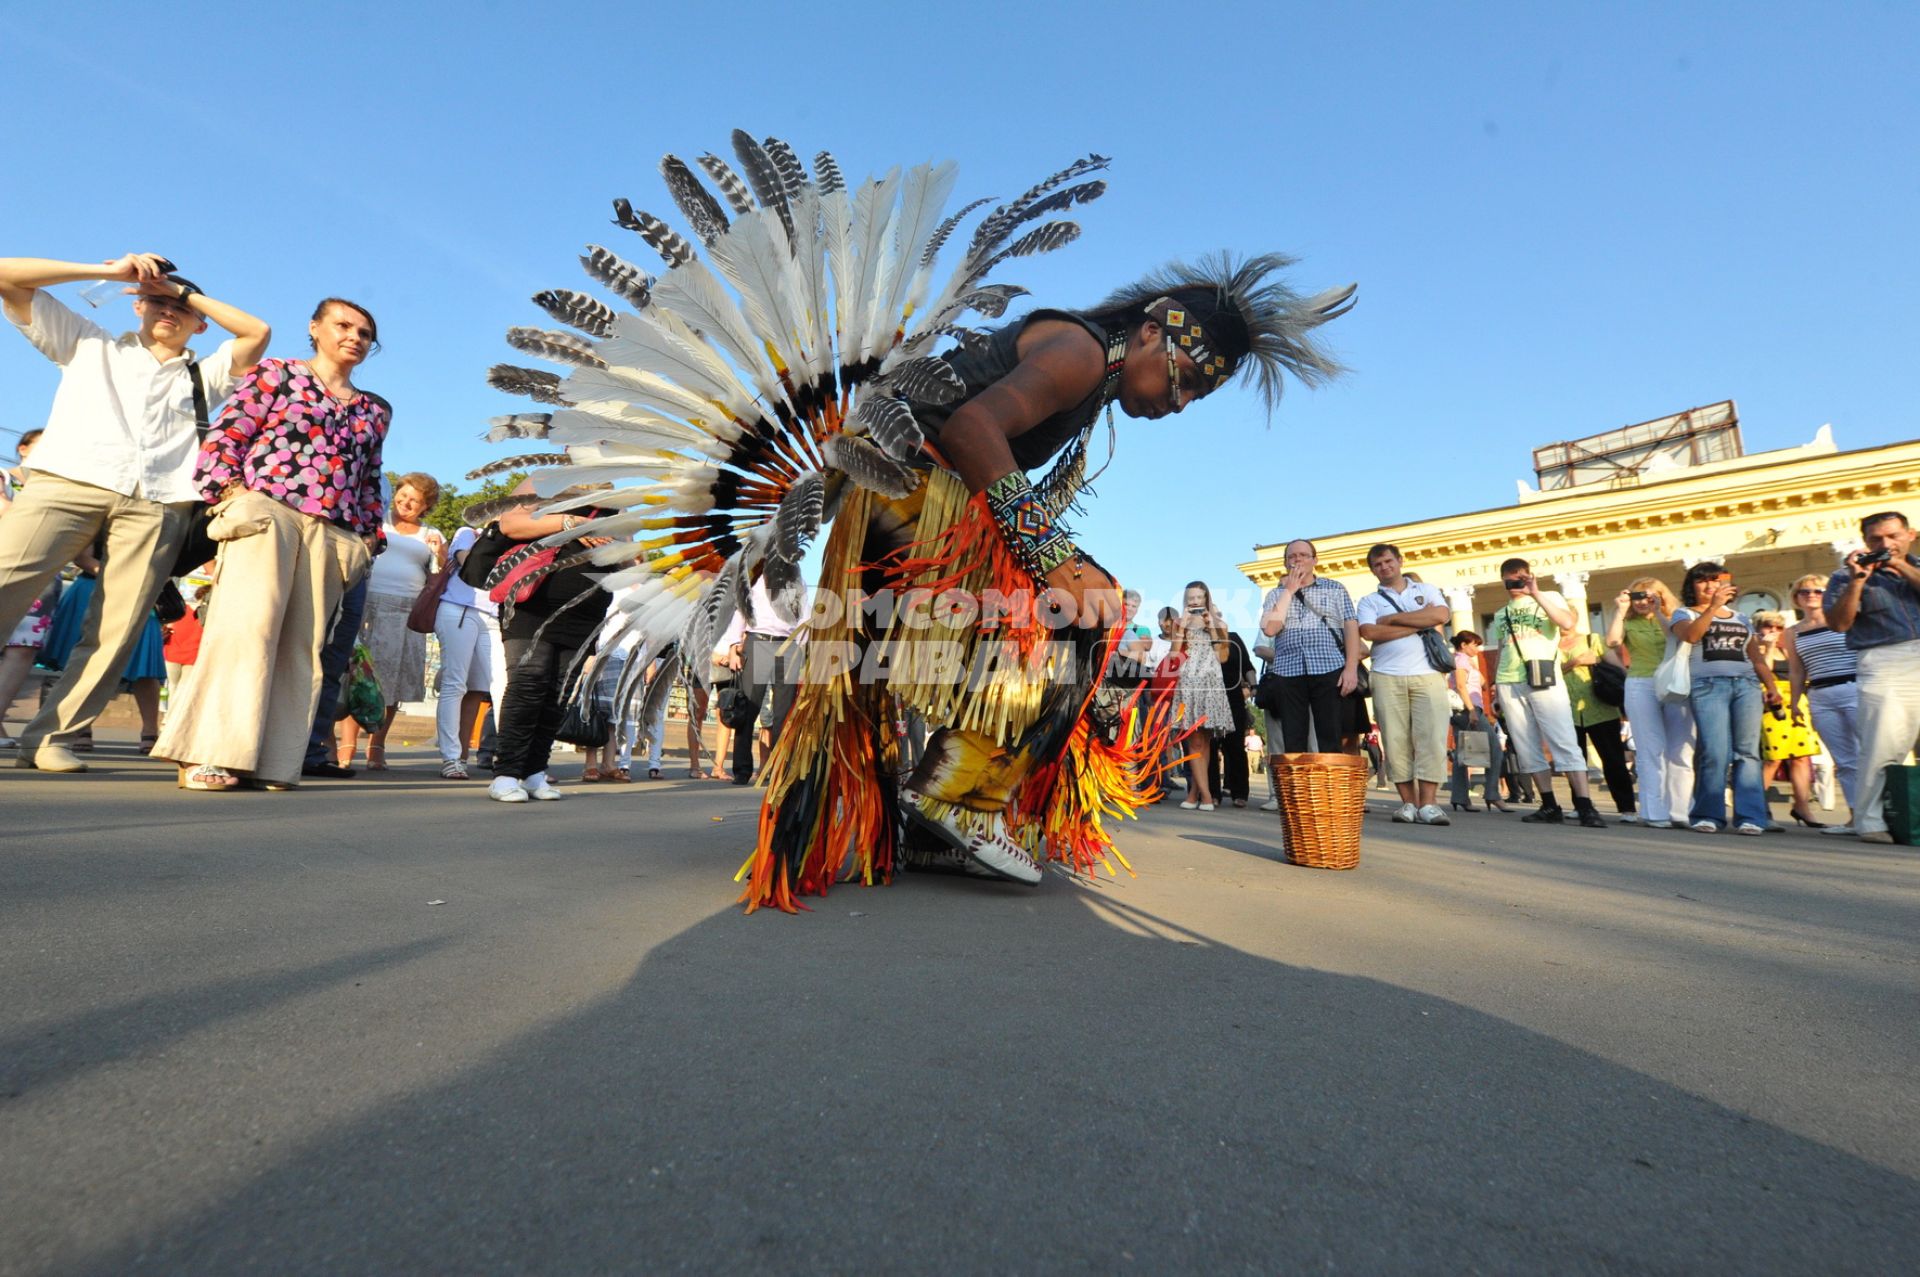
(1609, 684)
(586, 722)
(735, 707)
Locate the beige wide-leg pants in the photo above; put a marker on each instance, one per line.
(52, 521)
(249, 705)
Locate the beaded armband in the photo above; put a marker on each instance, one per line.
(1033, 534)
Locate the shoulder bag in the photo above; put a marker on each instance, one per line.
(426, 604)
(1364, 684)
(1673, 677)
(196, 547)
(1541, 674)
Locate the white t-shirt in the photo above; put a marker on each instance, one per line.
(1402, 656)
(406, 563)
(459, 591)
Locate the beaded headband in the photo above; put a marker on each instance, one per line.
(1189, 334)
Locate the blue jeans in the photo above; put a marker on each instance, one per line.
(1726, 718)
(333, 663)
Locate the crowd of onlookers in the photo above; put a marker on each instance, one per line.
(330, 579)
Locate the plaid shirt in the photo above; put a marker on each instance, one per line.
(1308, 645)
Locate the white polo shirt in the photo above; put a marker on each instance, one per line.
(1405, 657)
(122, 419)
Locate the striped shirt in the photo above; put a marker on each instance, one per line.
(1309, 644)
(1826, 655)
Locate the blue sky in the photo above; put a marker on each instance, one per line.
(1562, 218)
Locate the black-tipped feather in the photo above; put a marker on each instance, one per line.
(480, 513)
(827, 170)
(867, 466)
(633, 285)
(702, 211)
(765, 178)
(928, 379)
(889, 423)
(1043, 238)
(577, 310)
(793, 174)
(561, 348)
(971, 340)
(542, 387)
(518, 425)
(526, 461)
(731, 187)
(1000, 223)
(798, 517)
(946, 229)
(673, 247)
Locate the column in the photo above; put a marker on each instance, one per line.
(1460, 600)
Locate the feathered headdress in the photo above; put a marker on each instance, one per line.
(1240, 314)
(776, 360)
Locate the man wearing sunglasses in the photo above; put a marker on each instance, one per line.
(115, 463)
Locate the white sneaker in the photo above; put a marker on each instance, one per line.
(1407, 815)
(1630, 818)
(1432, 815)
(507, 789)
(541, 789)
(1272, 804)
(1705, 827)
(1839, 831)
(1750, 828)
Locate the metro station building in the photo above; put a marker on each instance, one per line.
(1645, 500)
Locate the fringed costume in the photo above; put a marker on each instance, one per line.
(789, 379)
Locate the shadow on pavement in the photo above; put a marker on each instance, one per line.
(866, 1088)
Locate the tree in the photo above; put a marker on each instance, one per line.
(449, 512)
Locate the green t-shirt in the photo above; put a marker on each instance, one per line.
(1524, 624)
(1646, 642)
(1588, 709)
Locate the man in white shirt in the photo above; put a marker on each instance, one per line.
(753, 646)
(1409, 687)
(116, 462)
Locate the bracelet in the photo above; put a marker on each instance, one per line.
(1036, 540)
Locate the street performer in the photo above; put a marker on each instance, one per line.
(950, 584)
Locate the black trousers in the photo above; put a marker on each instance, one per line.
(531, 711)
(1229, 759)
(1613, 760)
(762, 667)
(1315, 698)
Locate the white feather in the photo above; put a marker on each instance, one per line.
(922, 200)
(873, 210)
(697, 296)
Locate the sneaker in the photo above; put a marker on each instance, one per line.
(1843, 831)
(1750, 829)
(1631, 818)
(1432, 815)
(541, 789)
(1704, 827)
(1678, 824)
(507, 789)
(453, 769)
(1545, 816)
(1876, 835)
(1407, 815)
(327, 771)
(8, 742)
(1272, 804)
(1591, 819)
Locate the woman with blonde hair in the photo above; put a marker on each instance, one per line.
(1662, 733)
(1821, 668)
(1787, 743)
(414, 551)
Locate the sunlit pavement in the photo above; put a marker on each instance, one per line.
(387, 1026)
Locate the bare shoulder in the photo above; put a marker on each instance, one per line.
(1066, 351)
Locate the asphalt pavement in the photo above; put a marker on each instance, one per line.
(386, 1026)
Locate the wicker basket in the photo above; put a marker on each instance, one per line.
(1322, 800)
